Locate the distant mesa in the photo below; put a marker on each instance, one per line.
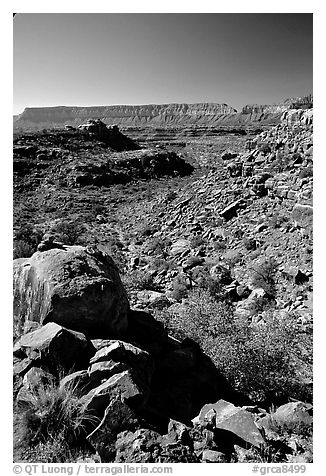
(157, 115)
(305, 102)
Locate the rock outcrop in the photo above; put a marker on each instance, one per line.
(54, 346)
(105, 157)
(73, 287)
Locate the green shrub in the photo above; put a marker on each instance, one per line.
(219, 245)
(263, 275)
(266, 361)
(278, 220)
(200, 318)
(68, 232)
(265, 148)
(232, 257)
(23, 249)
(26, 239)
(139, 280)
(306, 172)
(196, 241)
(250, 244)
(180, 287)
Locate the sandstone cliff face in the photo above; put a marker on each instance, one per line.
(160, 115)
(304, 102)
(152, 114)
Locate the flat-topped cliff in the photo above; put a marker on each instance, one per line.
(159, 115)
(142, 115)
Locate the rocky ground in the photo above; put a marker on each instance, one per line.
(202, 352)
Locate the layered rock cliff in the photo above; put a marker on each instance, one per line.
(159, 115)
(163, 114)
(305, 102)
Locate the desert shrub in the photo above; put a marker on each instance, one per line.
(306, 172)
(219, 245)
(277, 220)
(202, 279)
(162, 265)
(267, 361)
(53, 450)
(22, 249)
(180, 287)
(26, 239)
(147, 229)
(232, 257)
(265, 148)
(68, 232)
(250, 244)
(196, 241)
(200, 318)
(139, 280)
(263, 275)
(55, 427)
(155, 246)
(238, 233)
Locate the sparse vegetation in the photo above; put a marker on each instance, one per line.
(68, 232)
(166, 235)
(263, 276)
(26, 239)
(267, 361)
(139, 280)
(54, 427)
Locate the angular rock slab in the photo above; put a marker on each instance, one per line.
(289, 414)
(223, 415)
(79, 380)
(55, 346)
(122, 386)
(102, 371)
(124, 353)
(75, 287)
(118, 417)
(33, 380)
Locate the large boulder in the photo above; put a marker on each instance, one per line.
(290, 415)
(54, 347)
(73, 286)
(223, 415)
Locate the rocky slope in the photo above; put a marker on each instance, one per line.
(217, 265)
(144, 398)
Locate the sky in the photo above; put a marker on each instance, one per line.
(85, 59)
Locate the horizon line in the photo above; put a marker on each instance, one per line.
(160, 104)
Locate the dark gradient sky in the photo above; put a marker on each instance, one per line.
(102, 59)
